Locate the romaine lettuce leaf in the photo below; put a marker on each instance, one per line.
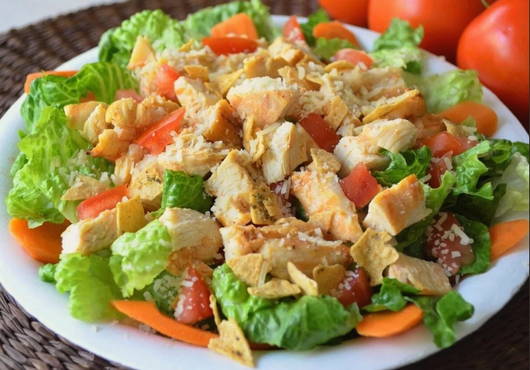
(481, 246)
(444, 90)
(401, 165)
(469, 168)
(390, 296)
(517, 188)
(327, 48)
(185, 191)
(47, 272)
(163, 291)
(408, 58)
(320, 16)
(55, 153)
(89, 281)
(138, 258)
(477, 208)
(293, 324)
(399, 34)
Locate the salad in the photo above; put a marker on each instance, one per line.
(238, 187)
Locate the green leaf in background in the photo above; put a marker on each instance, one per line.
(89, 281)
(53, 153)
(441, 314)
(320, 16)
(185, 191)
(481, 246)
(327, 48)
(444, 90)
(138, 258)
(411, 162)
(390, 296)
(299, 324)
(516, 177)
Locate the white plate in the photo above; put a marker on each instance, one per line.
(488, 292)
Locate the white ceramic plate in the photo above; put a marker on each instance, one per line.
(488, 292)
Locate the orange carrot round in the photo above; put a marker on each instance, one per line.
(334, 30)
(387, 324)
(239, 25)
(43, 243)
(33, 76)
(507, 235)
(485, 117)
(147, 313)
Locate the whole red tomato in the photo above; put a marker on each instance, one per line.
(496, 45)
(443, 20)
(349, 11)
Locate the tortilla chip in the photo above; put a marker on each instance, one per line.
(197, 71)
(275, 288)
(232, 343)
(323, 161)
(401, 102)
(250, 268)
(226, 81)
(339, 65)
(130, 216)
(215, 310)
(374, 251)
(335, 112)
(328, 277)
(308, 285)
(187, 46)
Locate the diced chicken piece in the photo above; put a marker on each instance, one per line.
(194, 95)
(221, 123)
(398, 207)
(142, 53)
(262, 65)
(376, 83)
(192, 154)
(288, 240)
(297, 75)
(287, 51)
(109, 145)
(152, 109)
(240, 196)
(194, 236)
(408, 105)
(429, 125)
(124, 165)
(267, 99)
(122, 113)
(146, 182)
(197, 72)
(327, 206)
(393, 135)
(88, 117)
(428, 277)
(90, 235)
(323, 161)
(85, 187)
(285, 148)
(353, 150)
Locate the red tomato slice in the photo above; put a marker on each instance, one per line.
(354, 288)
(354, 57)
(292, 30)
(444, 142)
(91, 207)
(158, 136)
(360, 186)
(165, 81)
(230, 45)
(448, 244)
(320, 131)
(194, 299)
(128, 93)
(438, 167)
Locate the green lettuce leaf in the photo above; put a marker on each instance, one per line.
(401, 165)
(54, 152)
(441, 314)
(138, 258)
(390, 296)
(408, 58)
(163, 291)
(517, 188)
(478, 208)
(163, 31)
(399, 34)
(89, 281)
(199, 24)
(320, 16)
(185, 191)
(327, 48)
(500, 155)
(47, 272)
(293, 324)
(469, 168)
(481, 246)
(444, 90)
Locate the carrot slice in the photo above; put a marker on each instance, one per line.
(43, 243)
(485, 117)
(386, 324)
(230, 45)
(147, 313)
(239, 25)
(507, 235)
(334, 30)
(33, 76)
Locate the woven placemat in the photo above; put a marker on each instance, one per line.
(502, 343)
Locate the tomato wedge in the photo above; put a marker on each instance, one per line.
(360, 186)
(33, 76)
(438, 167)
(444, 142)
(194, 299)
(239, 25)
(354, 288)
(91, 207)
(158, 136)
(165, 81)
(128, 93)
(292, 30)
(320, 131)
(354, 57)
(230, 45)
